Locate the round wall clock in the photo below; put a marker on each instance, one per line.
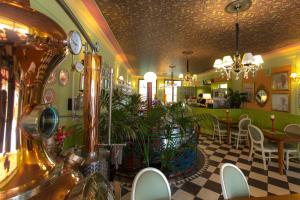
(49, 95)
(63, 77)
(74, 42)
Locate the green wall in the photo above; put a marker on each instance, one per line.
(288, 56)
(259, 118)
(262, 118)
(108, 53)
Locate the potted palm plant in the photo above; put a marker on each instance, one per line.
(236, 98)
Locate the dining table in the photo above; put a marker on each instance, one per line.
(273, 197)
(230, 123)
(281, 138)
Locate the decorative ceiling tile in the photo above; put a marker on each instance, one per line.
(153, 33)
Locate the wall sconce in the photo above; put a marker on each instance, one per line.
(295, 76)
(121, 80)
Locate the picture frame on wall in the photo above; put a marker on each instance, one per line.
(63, 77)
(280, 81)
(248, 88)
(281, 102)
(49, 95)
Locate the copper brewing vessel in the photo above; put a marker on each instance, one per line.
(31, 45)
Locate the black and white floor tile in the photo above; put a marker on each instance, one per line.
(207, 185)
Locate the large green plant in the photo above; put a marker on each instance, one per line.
(128, 123)
(126, 120)
(178, 117)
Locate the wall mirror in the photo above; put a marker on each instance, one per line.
(261, 96)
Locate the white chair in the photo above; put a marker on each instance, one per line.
(150, 184)
(243, 116)
(233, 182)
(220, 131)
(242, 134)
(258, 143)
(291, 148)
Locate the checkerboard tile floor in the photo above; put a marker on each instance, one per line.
(262, 183)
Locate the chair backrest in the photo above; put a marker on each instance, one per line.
(243, 116)
(150, 184)
(215, 122)
(244, 123)
(234, 183)
(292, 128)
(256, 136)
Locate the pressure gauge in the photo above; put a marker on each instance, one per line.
(74, 42)
(79, 67)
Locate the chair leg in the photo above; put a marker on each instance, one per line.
(237, 141)
(220, 138)
(269, 158)
(287, 157)
(264, 159)
(250, 154)
(247, 142)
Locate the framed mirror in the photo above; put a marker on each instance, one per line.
(261, 96)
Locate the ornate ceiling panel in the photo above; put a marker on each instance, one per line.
(153, 33)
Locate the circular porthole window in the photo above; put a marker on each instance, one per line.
(48, 122)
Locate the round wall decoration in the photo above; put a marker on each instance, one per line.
(49, 95)
(52, 77)
(63, 77)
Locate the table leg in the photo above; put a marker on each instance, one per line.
(229, 132)
(280, 157)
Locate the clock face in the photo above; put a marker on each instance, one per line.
(74, 42)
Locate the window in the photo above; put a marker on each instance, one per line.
(143, 89)
(168, 90)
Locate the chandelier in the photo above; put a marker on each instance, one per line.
(188, 76)
(238, 65)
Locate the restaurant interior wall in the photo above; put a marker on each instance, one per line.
(281, 60)
(110, 57)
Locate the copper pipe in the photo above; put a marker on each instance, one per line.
(74, 19)
(111, 85)
(91, 103)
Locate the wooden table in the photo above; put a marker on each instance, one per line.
(281, 139)
(230, 122)
(281, 197)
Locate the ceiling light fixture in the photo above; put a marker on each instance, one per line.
(188, 76)
(238, 65)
